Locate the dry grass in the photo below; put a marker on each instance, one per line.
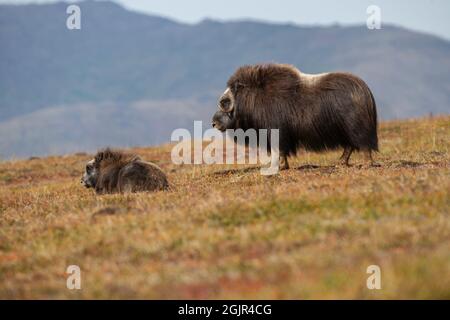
(309, 232)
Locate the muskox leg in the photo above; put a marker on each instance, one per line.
(346, 155)
(369, 156)
(284, 164)
(370, 159)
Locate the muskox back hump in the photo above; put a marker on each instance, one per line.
(342, 114)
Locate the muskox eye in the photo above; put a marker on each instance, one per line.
(88, 168)
(225, 104)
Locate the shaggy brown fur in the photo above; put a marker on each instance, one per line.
(113, 171)
(316, 112)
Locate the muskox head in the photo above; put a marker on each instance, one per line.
(90, 176)
(93, 167)
(224, 118)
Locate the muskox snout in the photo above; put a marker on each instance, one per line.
(222, 121)
(87, 180)
(84, 182)
(216, 124)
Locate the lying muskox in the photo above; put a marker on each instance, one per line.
(315, 112)
(113, 171)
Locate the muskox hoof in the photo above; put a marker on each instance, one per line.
(345, 158)
(345, 163)
(375, 165)
(284, 164)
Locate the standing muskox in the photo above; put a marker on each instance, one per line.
(316, 112)
(113, 171)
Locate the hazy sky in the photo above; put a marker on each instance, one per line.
(431, 16)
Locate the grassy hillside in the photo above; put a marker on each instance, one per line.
(228, 232)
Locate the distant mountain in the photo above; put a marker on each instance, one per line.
(67, 90)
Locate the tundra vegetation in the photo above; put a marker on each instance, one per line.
(225, 231)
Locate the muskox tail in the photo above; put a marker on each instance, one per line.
(374, 120)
